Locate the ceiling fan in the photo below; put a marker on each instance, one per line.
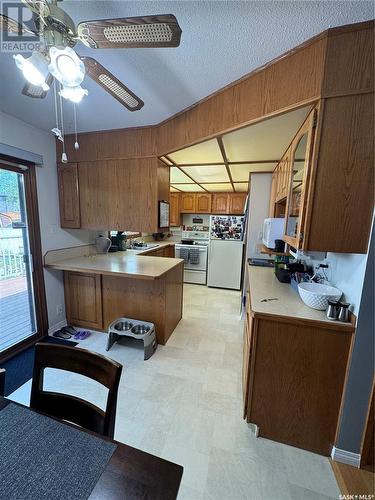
(57, 59)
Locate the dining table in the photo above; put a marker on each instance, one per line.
(126, 472)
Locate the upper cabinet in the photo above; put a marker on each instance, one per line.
(203, 203)
(300, 160)
(174, 209)
(69, 195)
(113, 194)
(237, 203)
(220, 203)
(187, 203)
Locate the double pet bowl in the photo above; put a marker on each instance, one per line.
(140, 330)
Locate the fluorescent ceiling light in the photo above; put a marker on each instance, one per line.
(66, 66)
(34, 69)
(74, 94)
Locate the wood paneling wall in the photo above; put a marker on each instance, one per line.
(300, 76)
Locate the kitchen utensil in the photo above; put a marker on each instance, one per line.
(343, 314)
(317, 295)
(102, 244)
(333, 310)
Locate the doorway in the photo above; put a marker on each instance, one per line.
(22, 296)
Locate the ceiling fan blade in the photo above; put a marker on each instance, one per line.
(8, 24)
(131, 32)
(112, 85)
(36, 92)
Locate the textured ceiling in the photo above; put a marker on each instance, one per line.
(221, 41)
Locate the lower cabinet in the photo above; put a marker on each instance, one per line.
(83, 299)
(293, 379)
(165, 251)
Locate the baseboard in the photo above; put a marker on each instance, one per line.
(346, 457)
(57, 326)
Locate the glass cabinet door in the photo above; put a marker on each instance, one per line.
(300, 160)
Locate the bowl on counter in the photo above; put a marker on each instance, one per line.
(317, 295)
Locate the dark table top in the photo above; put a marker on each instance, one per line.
(133, 474)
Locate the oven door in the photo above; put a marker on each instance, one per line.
(195, 256)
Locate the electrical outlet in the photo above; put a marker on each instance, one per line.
(59, 309)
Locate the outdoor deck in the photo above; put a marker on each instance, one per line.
(15, 324)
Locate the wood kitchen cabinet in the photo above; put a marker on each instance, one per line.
(203, 203)
(294, 372)
(113, 194)
(187, 203)
(220, 203)
(174, 209)
(67, 174)
(164, 251)
(83, 299)
(237, 203)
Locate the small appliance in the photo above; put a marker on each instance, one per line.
(273, 229)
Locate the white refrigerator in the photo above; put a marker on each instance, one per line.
(225, 252)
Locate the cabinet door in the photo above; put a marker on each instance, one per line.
(203, 203)
(187, 203)
(174, 209)
(169, 251)
(271, 210)
(247, 339)
(83, 299)
(70, 216)
(220, 203)
(237, 203)
(300, 158)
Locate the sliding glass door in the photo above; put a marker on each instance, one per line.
(17, 297)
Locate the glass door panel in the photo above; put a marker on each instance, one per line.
(17, 306)
(298, 175)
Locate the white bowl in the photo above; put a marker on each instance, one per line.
(317, 295)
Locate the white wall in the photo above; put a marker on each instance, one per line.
(17, 133)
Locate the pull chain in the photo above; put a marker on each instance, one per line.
(64, 158)
(76, 145)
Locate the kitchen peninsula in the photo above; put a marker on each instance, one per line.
(100, 288)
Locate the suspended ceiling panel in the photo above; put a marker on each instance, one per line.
(241, 172)
(241, 187)
(266, 140)
(189, 187)
(173, 190)
(205, 152)
(178, 176)
(212, 173)
(214, 188)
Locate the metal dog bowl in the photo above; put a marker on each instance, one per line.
(140, 329)
(123, 326)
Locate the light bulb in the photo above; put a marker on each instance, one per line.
(74, 94)
(66, 66)
(34, 69)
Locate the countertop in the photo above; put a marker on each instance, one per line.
(130, 264)
(263, 284)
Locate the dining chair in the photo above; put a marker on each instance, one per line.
(2, 381)
(70, 408)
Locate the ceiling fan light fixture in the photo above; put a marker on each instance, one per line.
(34, 69)
(74, 94)
(66, 66)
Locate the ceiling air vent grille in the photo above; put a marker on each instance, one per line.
(120, 92)
(138, 33)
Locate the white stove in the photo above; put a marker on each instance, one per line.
(193, 249)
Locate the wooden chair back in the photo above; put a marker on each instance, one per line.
(2, 382)
(70, 408)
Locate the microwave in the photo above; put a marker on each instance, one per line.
(273, 229)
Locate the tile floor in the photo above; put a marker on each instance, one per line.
(185, 404)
